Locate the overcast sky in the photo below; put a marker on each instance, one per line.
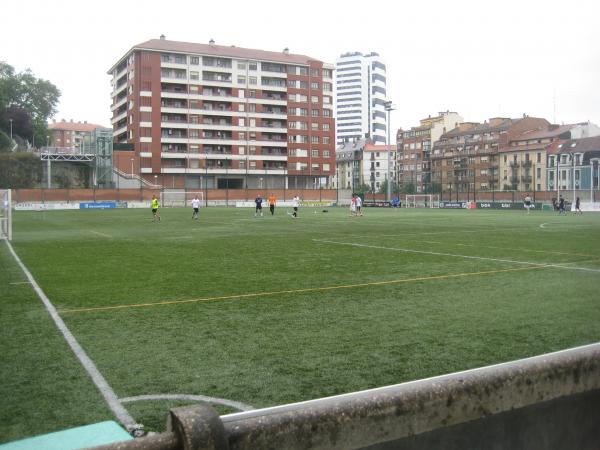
(480, 59)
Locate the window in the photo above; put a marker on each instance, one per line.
(314, 153)
(325, 127)
(314, 85)
(252, 94)
(325, 152)
(194, 75)
(314, 126)
(242, 135)
(326, 113)
(242, 122)
(242, 164)
(314, 72)
(241, 66)
(302, 71)
(325, 167)
(242, 150)
(194, 60)
(539, 157)
(252, 66)
(252, 80)
(314, 112)
(241, 107)
(314, 139)
(241, 79)
(314, 99)
(252, 107)
(291, 83)
(326, 140)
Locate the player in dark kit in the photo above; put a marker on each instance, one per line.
(258, 200)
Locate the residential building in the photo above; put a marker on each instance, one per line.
(523, 159)
(361, 92)
(577, 162)
(376, 160)
(70, 134)
(213, 116)
(414, 150)
(349, 164)
(465, 159)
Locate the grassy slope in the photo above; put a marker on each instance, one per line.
(287, 347)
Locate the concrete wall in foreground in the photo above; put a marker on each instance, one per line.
(546, 402)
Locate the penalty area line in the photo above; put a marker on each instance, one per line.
(559, 265)
(304, 290)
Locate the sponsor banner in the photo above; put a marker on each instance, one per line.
(507, 205)
(288, 203)
(588, 206)
(121, 204)
(37, 206)
(377, 204)
(453, 205)
(97, 205)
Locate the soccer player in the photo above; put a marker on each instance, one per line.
(561, 205)
(154, 206)
(578, 206)
(258, 200)
(295, 204)
(527, 202)
(195, 207)
(358, 206)
(353, 206)
(272, 200)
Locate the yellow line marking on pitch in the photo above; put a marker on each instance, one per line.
(304, 290)
(101, 234)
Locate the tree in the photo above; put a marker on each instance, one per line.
(23, 90)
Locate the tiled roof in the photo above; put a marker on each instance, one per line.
(580, 145)
(552, 131)
(74, 126)
(479, 128)
(232, 51)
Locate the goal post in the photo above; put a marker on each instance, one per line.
(5, 215)
(172, 199)
(422, 200)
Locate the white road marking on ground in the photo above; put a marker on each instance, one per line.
(195, 398)
(483, 258)
(107, 392)
(101, 234)
(509, 248)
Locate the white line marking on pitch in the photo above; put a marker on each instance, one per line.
(543, 225)
(107, 392)
(101, 234)
(483, 258)
(21, 282)
(195, 398)
(508, 248)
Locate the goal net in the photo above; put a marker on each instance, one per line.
(179, 198)
(422, 201)
(5, 215)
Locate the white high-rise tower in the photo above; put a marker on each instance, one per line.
(360, 97)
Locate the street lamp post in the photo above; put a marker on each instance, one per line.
(11, 121)
(389, 107)
(131, 167)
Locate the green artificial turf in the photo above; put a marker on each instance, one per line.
(319, 324)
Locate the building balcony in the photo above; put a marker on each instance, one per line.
(526, 179)
(526, 164)
(514, 165)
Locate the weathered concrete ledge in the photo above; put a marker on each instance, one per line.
(546, 390)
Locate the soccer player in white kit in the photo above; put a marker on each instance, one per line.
(195, 207)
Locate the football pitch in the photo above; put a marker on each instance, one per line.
(255, 312)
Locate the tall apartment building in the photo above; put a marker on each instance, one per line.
(206, 115)
(414, 150)
(361, 93)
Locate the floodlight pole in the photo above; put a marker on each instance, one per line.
(389, 108)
